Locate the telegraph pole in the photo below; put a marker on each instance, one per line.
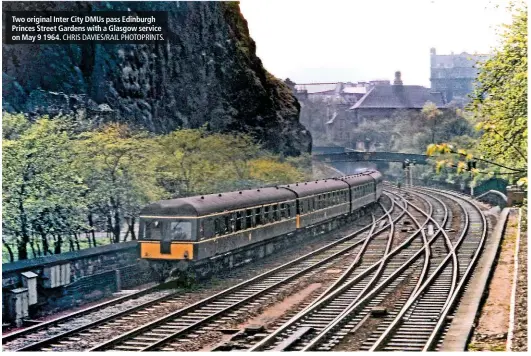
(471, 165)
(406, 166)
(411, 165)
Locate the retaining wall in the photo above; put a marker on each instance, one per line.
(84, 276)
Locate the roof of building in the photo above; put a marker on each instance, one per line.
(398, 97)
(355, 90)
(313, 88)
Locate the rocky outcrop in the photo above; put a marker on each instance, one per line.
(207, 73)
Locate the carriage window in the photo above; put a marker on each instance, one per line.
(217, 227)
(282, 211)
(249, 218)
(266, 214)
(153, 230)
(275, 212)
(258, 215)
(232, 226)
(181, 230)
(239, 221)
(225, 227)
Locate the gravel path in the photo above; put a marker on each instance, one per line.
(490, 334)
(520, 330)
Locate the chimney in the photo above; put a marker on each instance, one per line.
(398, 80)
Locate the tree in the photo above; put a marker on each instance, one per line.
(500, 107)
(119, 168)
(270, 171)
(500, 99)
(432, 114)
(42, 191)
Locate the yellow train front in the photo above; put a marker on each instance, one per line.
(205, 227)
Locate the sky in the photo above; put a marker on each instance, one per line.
(359, 40)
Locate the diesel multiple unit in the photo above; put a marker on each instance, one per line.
(201, 227)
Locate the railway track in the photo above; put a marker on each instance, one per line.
(396, 284)
(126, 303)
(174, 331)
(80, 337)
(417, 322)
(349, 305)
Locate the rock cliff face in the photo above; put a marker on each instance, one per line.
(207, 73)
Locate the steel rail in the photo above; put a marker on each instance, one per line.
(44, 325)
(180, 332)
(131, 334)
(442, 319)
(42, 343)
(270, 338)
(398, 319)
(355, 306)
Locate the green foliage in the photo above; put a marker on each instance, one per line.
(61, 183)
(13, 125)
(500, 100)
(42, 190)
(119, 169)
(195, 162)
(499, 109)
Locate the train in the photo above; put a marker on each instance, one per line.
(202, 227)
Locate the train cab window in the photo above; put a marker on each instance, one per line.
(201, 234)
(153, 230)
(181, 231)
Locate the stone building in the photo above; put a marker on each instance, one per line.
(381, 102)
(454, 74)
(331, 111)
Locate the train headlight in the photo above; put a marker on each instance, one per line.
(185, 255)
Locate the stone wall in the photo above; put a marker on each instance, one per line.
(92, 274)
(493, 197)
